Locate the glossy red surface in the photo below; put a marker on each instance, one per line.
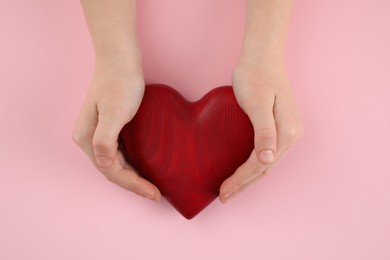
(188, 149)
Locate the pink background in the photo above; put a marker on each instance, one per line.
(328, 199)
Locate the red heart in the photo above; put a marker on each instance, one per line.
(188, 149)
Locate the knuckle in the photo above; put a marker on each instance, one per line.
(79, 137)
(108, 174)
(76, 137)
(264, 173)
(236, 182)
(294, 132)
(109, 177)
(256, 171)
(259, 173)
(266, 134)
(132, 183)
(135, 183)
(101, 143)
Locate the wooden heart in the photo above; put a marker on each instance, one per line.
(187, 149)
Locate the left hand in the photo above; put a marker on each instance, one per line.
(264, 93)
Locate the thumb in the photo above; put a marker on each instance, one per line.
(265, 134)
(105, 139)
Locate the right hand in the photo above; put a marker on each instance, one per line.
(111, 102)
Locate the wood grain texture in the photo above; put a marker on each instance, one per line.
(187, 149)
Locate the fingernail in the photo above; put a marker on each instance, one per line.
(103, 161)
(267, 156)
(151, 195)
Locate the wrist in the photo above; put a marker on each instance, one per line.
(250, 72)
(262, 56)
(119, 59)
(261, 65)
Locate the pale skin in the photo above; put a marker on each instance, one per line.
(259, 81)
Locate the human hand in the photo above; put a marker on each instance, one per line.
(112, 101)
(264, 93)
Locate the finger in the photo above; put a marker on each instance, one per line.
(245, 175)
(265, 131)
(105, 139)
(120, 172)
(287, 121)
(288, 128)
(125, 176)
(256, 177)
(84, 129)
(246, 172)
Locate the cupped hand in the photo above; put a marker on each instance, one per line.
(112, 101)
(264, 93)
